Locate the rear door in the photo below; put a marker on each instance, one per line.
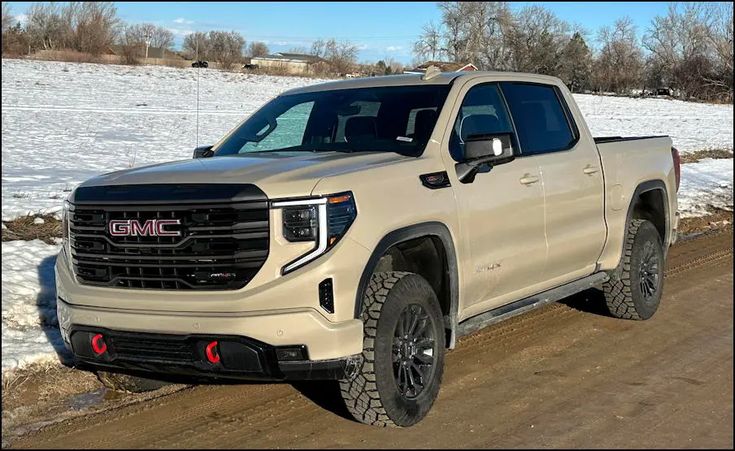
(571, 173)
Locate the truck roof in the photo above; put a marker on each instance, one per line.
(443, 78)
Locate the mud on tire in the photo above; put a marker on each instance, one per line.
(634, 289)
(397, 352)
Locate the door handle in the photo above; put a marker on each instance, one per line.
(528, 179)
(589, 169)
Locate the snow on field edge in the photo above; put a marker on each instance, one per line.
(29, 325)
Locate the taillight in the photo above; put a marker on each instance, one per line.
(677, 166)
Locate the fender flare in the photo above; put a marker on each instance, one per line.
(433, 229)
(644, 187)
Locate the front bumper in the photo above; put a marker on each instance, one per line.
(238, 358)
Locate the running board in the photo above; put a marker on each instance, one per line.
(483, 320)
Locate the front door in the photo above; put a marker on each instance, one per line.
(501, 211)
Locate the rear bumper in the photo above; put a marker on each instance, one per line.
(238, 358)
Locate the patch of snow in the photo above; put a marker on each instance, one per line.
(692, 126)
(704, 185)
(30, 331)
(39, 221)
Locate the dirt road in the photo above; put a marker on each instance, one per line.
(563, 376)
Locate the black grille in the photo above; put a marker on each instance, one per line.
(138, 347)
(221, 247)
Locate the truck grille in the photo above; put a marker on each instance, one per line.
(221, 246)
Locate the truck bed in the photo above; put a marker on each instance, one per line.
(611, 139)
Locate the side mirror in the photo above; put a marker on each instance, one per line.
(203, 152)
(484, 151)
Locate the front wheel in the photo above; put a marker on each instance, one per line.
(402, 361)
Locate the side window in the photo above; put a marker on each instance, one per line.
(539, 117)
(482, 113)
(292, 126)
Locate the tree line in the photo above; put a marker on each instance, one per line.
(94, 28)
(689, 49)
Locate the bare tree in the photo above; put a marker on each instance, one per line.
(619, 65)
(691, 50)
(197, 46)
(146, 35)
(44, 26)
(257, 48)
(473, 32)
(131, 45)
(429, 44)
(341, 56)
(226, 47)
(159, 37)
(537, 41)
(96, 26)
(7, 17)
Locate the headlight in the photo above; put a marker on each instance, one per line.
(65, 225)
(323, 220)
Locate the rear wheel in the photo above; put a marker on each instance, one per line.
(402, 361)
(634, 289)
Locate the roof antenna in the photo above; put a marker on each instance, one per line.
(199, 67)
(431, 72)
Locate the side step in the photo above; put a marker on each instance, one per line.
(496, 315)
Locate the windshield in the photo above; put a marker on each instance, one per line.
(390, 119)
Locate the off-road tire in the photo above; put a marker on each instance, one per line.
(623, 293)
(128, 384)
(372, 395)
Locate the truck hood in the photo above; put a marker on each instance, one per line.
(278, 174)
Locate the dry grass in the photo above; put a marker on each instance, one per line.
(693, 157)
(24, 228)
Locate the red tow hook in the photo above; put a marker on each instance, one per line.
(98, 344)
(211, 351)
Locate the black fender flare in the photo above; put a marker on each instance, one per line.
(434, 229)
(644, 187)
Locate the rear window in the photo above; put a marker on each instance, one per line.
(539, 118)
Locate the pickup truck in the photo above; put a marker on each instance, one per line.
(353, 230)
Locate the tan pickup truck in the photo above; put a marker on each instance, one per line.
(353, 230)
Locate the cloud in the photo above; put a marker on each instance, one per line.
(22, 18)
(394, 48)
(182, 21)
(180, 32)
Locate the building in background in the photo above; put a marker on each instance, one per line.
(289, 63)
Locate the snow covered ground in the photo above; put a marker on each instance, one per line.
(65, 122)
(30, 329)
(704, 185)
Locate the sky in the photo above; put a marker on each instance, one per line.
(381, 30)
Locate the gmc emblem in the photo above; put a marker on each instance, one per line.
(152, 227)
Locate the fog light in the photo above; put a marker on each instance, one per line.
(98, 344)
(291, 353)
(211, 352)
